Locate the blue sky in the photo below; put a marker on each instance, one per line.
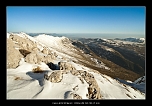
(77, 19)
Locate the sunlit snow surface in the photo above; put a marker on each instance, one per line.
(22, 83)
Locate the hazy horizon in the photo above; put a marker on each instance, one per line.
(89, 35)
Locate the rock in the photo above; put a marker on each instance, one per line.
(94, 92)
(76, 96)
(53, 56)
(31, 58)
(93, 89)
(45, 51)
(23, 43)
(55, 76)
(81, 79)
(27, 49)
(35, 49)
(54, 53)
(75, 72)
(46, 77)
(13, 55)
(24, 52)
(47, 59)
(66, 66)
(35, 57)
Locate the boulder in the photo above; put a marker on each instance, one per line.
(23, 43)
(13, 55)
(66, 66)
(24, 52)
(45, 51)
(31, 58)
(55, 76)
(93, 89)
(75, 72)
(35, 57)
(47, 59)
(76, 96)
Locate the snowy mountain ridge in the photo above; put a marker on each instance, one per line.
(133, 39)
(48, 68)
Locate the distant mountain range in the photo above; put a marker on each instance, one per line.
(132, 39)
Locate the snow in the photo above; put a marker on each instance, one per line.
(124, 42)
(33, 86)
(143, 39)
(22, 83)
(119, 41)
(16, 89)
(8, 34)
(49, 41)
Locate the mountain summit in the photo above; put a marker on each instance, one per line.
(48, 67)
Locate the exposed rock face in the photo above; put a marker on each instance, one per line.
(76, 96)
(13, 55)
(54, 77)
(47, 59)
(93, 89)
(24, 52)
(35, 57)
(24, 43)
(18, 47)
(75, 72)
(94, 92)
(45, 51)
(49, 52)
(31, 58)
(66, 66)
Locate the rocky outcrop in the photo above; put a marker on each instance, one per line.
(18, 47)
(24, 52)
(93, 89)
(47, 51)
(66, 66)
(24, 43)
(75, 72)
(31, 58)
(54, 77)
(76, 96)
(13, 54)
(36, 57)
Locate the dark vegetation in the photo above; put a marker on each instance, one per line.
(37, 70)
(125, 63)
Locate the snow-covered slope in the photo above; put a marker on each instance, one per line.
(23, 83)
(133, 40)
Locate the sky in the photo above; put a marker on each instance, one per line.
(77, 19)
